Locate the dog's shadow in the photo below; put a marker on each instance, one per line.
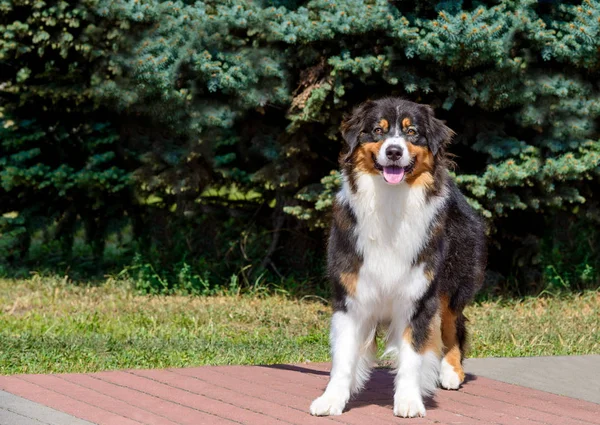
(378, 391)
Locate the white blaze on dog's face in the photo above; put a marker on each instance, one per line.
(394, 159)
(396, 139)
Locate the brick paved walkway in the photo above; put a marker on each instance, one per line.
(281, 394)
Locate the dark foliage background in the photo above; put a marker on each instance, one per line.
(193, 144)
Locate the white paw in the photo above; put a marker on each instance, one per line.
(449, 379)
(409, 407)
(327, 404)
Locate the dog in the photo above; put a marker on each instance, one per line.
(405, 251)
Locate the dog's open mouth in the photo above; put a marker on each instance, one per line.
(393, 174)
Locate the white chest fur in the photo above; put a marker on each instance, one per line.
(393, 225)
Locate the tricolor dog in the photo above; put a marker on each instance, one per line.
(405, 252)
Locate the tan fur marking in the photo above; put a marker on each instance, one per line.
(363, 157)
(452, 349)
(407, 335)
(425, 179)
(384, 124)
(453, 358)
(406, 122)
(429, 275)
(421, 175)
(349, 281)
(434, 339)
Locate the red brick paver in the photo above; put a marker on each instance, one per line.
(280, 394)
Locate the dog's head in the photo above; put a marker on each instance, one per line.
(400, 140)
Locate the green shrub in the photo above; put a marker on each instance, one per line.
(571, 254)
(182, 119)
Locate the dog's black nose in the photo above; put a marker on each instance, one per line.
(393, 152)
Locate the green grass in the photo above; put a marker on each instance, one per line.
(48, 325)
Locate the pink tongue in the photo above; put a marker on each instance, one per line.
(393, 175)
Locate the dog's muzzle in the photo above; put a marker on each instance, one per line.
(393, 160)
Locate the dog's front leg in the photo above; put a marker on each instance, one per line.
(418, 356)
(408, 401)
(347, 336)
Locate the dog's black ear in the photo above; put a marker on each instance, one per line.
(352, 126)
(438, 134)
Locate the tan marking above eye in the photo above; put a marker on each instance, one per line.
(384, 124)
(406, 122)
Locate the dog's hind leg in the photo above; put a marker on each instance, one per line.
(452, 374)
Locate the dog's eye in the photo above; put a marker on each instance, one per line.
(378, 130)
(411, 131)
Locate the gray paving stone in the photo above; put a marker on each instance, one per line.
(10, 418)
(15, 410)
(571, 376)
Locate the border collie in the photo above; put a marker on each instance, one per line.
(406, 252)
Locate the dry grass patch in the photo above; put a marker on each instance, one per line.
(50, 325)
(561, 325)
